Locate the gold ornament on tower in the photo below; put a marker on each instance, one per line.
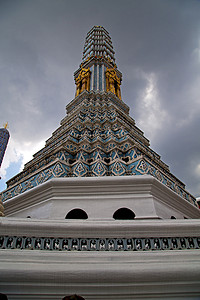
(83, 81)
(113, 82)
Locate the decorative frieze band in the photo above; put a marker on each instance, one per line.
(99, 244)
(87, 165)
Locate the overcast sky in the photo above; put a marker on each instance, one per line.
(157, 46)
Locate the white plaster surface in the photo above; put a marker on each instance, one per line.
(99, 228)
(40, 274)
(100, 197)
(138, 275)
(155, 274)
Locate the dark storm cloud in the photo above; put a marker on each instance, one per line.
(157, 45)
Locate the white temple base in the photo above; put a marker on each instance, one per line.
(136, 274)
(100, 197)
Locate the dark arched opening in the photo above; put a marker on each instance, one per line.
(77, 213)
(172, 217)
(73, 297)
(124, 214)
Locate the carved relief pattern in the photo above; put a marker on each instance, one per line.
(83, 81)
(100, 244)
(113, 82)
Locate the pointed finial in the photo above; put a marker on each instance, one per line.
(5, 125)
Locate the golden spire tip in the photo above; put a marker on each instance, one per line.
(5, 125)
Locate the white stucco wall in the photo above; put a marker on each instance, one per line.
(41, 274)
(100, 197)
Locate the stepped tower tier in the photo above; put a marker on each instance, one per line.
(97, 137)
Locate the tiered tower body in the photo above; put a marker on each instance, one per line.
(93, 212)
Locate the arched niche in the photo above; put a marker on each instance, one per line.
(124, 214)
(77, 213)
(73, 297)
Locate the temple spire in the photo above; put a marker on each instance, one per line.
(98, 71)
(98, 43)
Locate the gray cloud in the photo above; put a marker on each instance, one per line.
(41, 46)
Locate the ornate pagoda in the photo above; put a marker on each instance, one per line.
(97, 205)
(97, 137)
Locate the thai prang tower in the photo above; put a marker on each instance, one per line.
(93, 211)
